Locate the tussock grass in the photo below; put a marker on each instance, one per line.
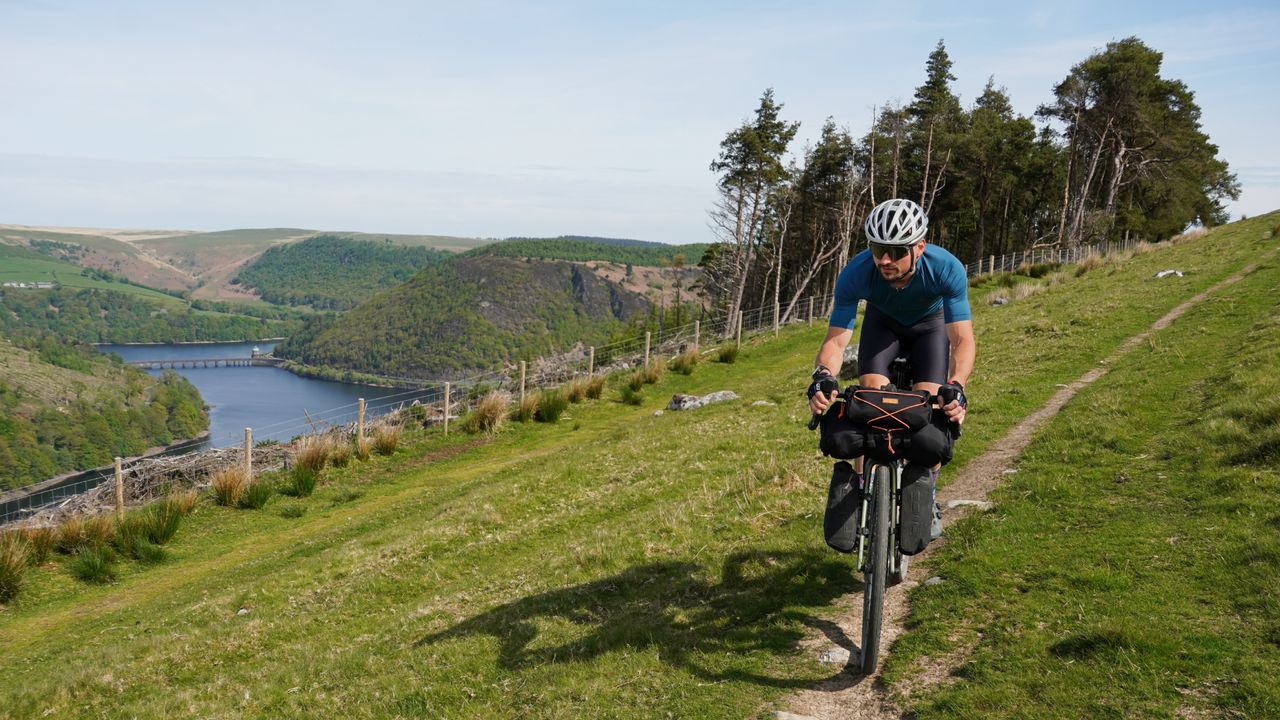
(527, 409)
(575, 391)
(635, 381)
(1091, 261)
(728, 353)
(255, 495)
(160, 519)
(291, 510)
(302, 482)
(551, 405)
(183, 502)
(362, 448)
(228, 485)
(685, 362)
(653, 373)
(1022, 291)
(313, 451)
(132, 540)
(41, 541)
(340, 455)
(386, 438)
(94, 564)
(630, 395)
(14, 559)
(489, 413)
(595, 387)
(71, 534)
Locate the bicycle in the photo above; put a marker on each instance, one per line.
(878, 528)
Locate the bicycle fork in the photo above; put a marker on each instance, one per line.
(895, 511)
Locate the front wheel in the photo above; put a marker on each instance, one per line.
(874, 576)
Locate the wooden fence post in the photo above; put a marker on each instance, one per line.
(523, 367)
(248, 454)
(738, 333)
(360, 423)
(446, 408)
(119, 492)
(591, 361)
(777, 316)
(810, 311)
(647, 335)
(991, 268)
(697, 335)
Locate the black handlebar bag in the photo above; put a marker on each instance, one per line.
(892, 418)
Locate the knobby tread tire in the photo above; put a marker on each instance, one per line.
(877, 570)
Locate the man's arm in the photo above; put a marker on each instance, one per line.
(830, 356)
(964, 350)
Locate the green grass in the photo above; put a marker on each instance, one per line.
(623, 565)
(1131, 567)
(17, 266)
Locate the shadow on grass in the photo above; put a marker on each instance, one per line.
(756, 608)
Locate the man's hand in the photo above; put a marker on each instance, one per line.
(957, 407)
(822, 391)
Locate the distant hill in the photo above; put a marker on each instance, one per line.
(582, 249)
(202, 263)
(332, 272)
(90, 305)
(466, 315)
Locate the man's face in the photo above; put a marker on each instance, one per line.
(892, 269)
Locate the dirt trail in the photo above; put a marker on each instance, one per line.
(852, 696)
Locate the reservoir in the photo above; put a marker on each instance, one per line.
(277, 404)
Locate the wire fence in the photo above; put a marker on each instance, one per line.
(1058, 254)
(84, 492)
(145, 478)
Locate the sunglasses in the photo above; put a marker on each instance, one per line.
(895, 252)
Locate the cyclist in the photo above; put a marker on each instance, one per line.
(917, 304)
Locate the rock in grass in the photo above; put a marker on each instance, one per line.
(690, 402)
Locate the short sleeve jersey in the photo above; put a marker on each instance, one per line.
(939, 282)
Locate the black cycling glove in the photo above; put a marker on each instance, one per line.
(954, 391)
(823, 382)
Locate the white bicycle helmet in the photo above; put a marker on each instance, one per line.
(896, 222)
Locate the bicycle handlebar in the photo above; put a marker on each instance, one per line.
(946, 395)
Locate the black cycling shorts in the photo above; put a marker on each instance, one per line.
(925, 343)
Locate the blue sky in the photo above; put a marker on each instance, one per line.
(497, 118)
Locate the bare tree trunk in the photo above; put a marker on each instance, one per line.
(928, 158)
(1077, 224)
(1071, 167)
(873, 156)
(897, 151)
(938, 183)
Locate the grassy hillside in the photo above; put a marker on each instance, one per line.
(465, 316)
(622, 564)
(22, 265)
(103, 252)
(332, 273)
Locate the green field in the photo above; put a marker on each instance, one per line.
(20, 265)
(623, 564)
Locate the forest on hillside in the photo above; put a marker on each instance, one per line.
(582, 249)
(333, 273)
(1118, 153)
(110, 410)
(467, 315)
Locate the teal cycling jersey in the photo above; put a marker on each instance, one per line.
(939, 282)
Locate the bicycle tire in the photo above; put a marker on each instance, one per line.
(874, 576)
